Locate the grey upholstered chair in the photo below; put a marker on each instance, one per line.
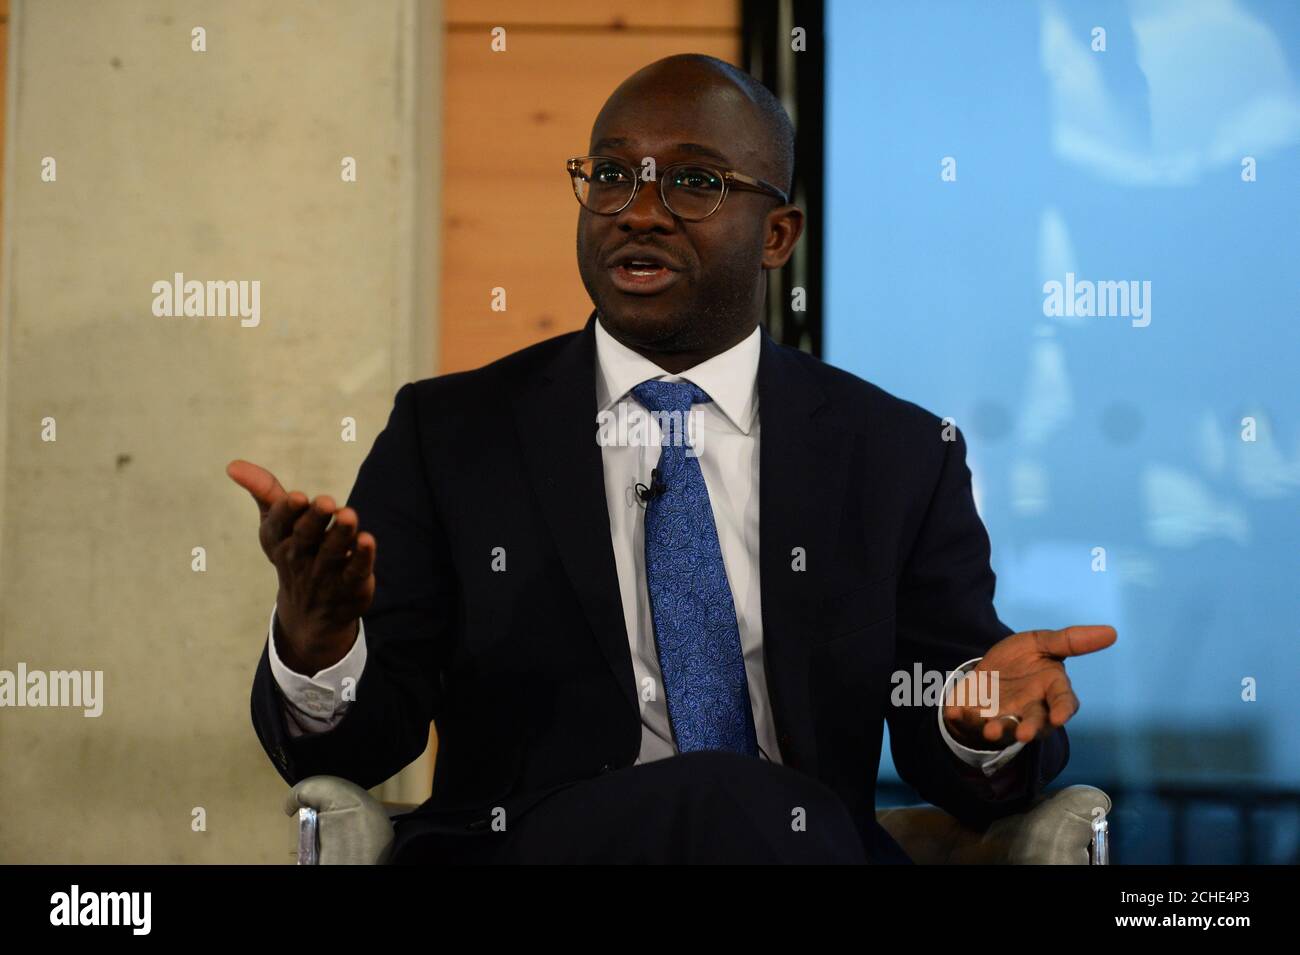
(339, 823)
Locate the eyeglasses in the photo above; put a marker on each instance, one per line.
(689, 190)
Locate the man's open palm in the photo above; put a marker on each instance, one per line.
(1032, 686)
(326, 569)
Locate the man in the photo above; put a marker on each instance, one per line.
(617, 670)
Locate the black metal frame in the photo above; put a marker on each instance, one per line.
(799, 81)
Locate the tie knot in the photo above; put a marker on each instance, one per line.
(668, 396)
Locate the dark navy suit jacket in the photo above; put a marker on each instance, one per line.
(528, 674)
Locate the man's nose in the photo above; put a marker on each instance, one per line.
(646, 211)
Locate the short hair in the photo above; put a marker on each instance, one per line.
(772, 115)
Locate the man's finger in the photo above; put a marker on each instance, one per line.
(1074, 641)
(967, 717)
(1032, 719)
(1062, 703)
(362, 562)
(1030, 724)
(997, 728)
(338, 539)
(962, 703)
(279, 520)
(310, 527)
(265, 488)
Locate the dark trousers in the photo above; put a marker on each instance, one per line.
(708, 807)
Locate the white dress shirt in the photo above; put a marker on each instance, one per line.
(724, 434)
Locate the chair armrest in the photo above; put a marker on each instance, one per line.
(1060, 829)
(339, 823)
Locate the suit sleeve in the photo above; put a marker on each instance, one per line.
(387, 724)
(946, 617)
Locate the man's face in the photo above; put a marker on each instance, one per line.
(709, 286)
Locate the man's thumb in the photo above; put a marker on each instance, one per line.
(257, 481)
(1076, 641)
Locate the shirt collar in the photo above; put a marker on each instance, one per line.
(729, 378)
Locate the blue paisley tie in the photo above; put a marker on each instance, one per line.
(694, 616)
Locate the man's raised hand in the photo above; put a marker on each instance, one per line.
(1032, 687)
(326, 570)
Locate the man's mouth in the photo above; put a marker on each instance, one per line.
(642, 268)
(640, 273)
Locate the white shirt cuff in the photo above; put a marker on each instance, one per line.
(316, 703)
(989, 761)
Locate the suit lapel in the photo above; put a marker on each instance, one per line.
(803, 463)
(555, 414)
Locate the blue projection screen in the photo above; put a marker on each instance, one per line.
(1073, 231)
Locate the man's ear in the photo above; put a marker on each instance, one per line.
(784, 227)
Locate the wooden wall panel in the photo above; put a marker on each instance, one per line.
(510, 121)
(679, 16)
